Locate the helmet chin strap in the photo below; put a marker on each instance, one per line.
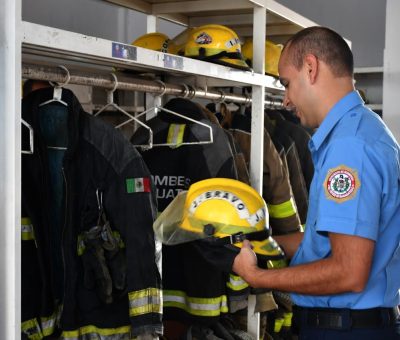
(231, 55)
(235, 238)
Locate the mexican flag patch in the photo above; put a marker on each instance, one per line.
(141, 184)
(341, 183)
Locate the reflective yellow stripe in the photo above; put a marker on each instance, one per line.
(92, 332)
(49, 323)
(117, 236)
(282, 210)
(302, 228)
(278, 325)
(196, 306)
(175, 134)
(236, 283)
(287, 319)
(31, 329)
(27, 233)
(145, 301)
(80, 245)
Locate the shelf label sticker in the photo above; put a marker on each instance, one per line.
(174, 62)
(123, 51)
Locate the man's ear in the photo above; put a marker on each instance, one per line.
(312, 67)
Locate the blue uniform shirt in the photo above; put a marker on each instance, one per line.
(355, 191)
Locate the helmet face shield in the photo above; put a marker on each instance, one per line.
(167, 226)
(222, 211)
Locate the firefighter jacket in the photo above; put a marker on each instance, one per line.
(98, 167)
(301, 138)
(277, 191)
(240, 162)
(194, 284)
(293, 162)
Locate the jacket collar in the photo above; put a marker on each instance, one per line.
(343, 106)
(30, 113)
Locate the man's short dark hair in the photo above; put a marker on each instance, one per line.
(326, 45)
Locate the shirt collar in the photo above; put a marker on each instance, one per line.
(343, 106)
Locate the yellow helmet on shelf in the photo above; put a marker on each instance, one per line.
(180, 40)
(272, 55)
(157, 42)
(217, 44)
(223, 211)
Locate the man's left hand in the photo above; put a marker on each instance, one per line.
(245, 264)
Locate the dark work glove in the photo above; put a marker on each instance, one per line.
(115, 256)
(117, 266)
(96, 273)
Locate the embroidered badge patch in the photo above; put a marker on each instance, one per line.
(134, 185)
(341, 183)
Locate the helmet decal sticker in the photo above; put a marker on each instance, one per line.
(203, 39)
(341, 184)
(232, 42)
(165, 44)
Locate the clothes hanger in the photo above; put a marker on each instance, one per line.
(158, 109)
(31, 148)
(110, 103)
(57, 92)
(57, 95)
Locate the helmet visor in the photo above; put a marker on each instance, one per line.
(167, 226)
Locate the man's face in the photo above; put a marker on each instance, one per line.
(296, 88)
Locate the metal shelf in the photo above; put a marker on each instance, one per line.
(63, 46)
(370, 80)
(368, 70)
(375, 107)
(281, 22)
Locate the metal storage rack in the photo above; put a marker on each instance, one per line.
(27, 43)
(370, 80)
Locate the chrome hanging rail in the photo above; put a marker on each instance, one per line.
(56, 74)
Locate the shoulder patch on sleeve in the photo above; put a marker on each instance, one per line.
(341, 184)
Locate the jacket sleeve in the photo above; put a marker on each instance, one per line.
(130, 203)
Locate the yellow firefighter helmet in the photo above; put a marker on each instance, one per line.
(157, 42)
(272, 55)
(217, 44)
(224, 211)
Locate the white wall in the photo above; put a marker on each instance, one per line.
(391, 78)
(92, 17)
(361, 21)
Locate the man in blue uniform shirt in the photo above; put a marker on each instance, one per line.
(344, 275)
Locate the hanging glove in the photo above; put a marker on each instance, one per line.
(116, 259)
(103, 259)
(96, 273)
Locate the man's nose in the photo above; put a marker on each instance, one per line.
(286, 101)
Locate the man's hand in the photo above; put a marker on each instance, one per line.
(245, 264)
(347, 269)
